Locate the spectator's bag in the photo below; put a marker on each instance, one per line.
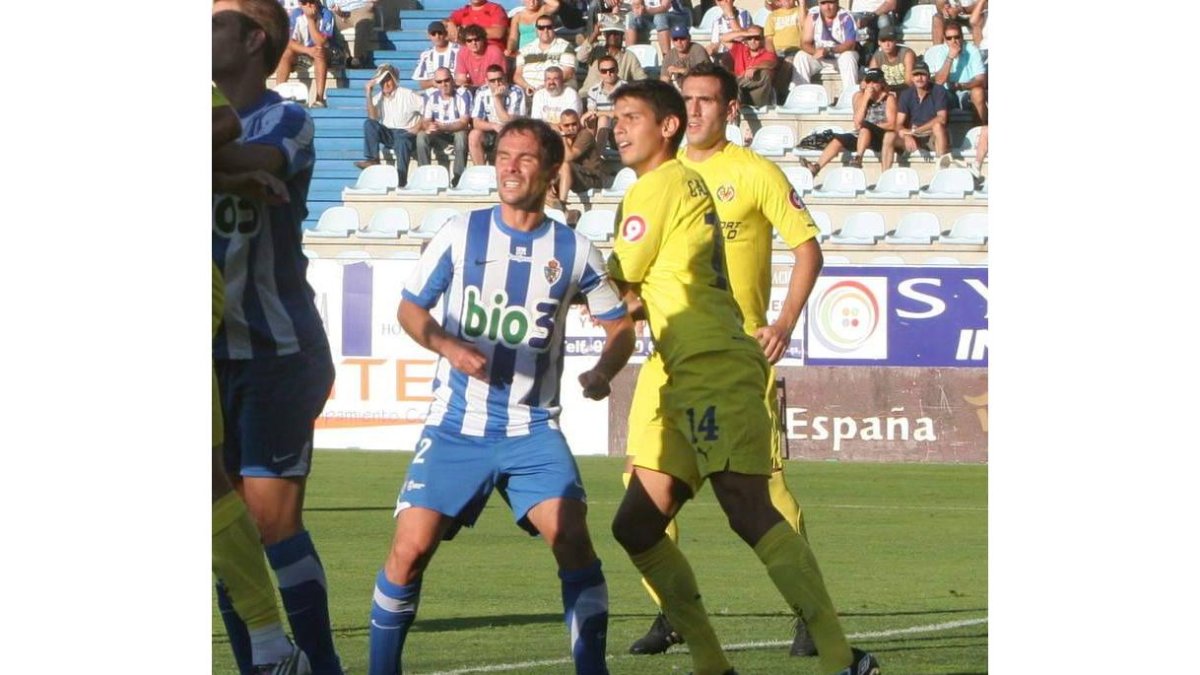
(817, 140)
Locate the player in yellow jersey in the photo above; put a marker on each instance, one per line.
(237, 553)
(751, 196)
(669, 261)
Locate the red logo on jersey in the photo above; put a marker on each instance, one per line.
(795, 200)
(633, 228)
(552, 270)
(725, 193)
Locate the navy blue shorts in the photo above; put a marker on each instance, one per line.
(455, 474)
(270, 405)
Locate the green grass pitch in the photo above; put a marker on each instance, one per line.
(903, 549)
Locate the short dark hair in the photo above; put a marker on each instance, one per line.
(664, 99)
(497, 68)
(549, 140)
(606, 57)
(270, 17)
(729, 85)
(473, 31)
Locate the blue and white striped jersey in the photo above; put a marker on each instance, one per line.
(485, 103)
(269, 308)
(444, 109)
(507, 292)
(431, 59)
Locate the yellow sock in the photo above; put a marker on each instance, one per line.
(785, 503)
(793, 568)
(668, 572)
(237, 560)
(672, 532)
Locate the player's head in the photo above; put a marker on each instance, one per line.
(528, 155)
(650, 123)
(710, 94)
(245, 30)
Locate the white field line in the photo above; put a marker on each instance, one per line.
(868, 507)
(743, 646)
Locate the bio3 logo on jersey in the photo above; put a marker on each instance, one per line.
(495, 321)
(234, 216)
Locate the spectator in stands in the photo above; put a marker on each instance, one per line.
(959, 67)
(447, 117)
(474, 60)
(830, 37)
(978, 20)
(598, 108)
(784, 29)
(682, 56)
(550, 101)
(873, 16)
(393, 120)
(358, 15)
(309, 45)
(659, 15)
(874, 125)
(754, 66)
(489, 16)
(443, 54)
(952, 12)
(495, 104)
(629, 68)
(603, 14)
(922, 115)
(731, 19)
(522, 27)
(536, 57)
(582, 168)
(895, 60)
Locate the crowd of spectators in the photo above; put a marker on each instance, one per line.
(560, 60)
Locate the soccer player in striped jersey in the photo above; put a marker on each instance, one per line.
(708, 419)
(271, 355)
(499, 282)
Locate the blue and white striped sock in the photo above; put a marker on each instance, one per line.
(393, 610)
(301, 580)
(585, 609)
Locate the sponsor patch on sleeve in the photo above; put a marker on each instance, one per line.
(633, 228)
(795, 200)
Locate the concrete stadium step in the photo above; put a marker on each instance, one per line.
(320, 114)
(446, 6)
(339, 127)
(336, 168)
(326, 144)
(414, 18)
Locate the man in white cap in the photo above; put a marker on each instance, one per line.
(393, 120)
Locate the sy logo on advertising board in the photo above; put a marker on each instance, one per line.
(848, 318)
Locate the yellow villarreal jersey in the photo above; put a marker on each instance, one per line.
(751, 195)
(218, 98)
(669, 242)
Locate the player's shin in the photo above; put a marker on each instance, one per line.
(585, 609)
(669, 574)
(301, 580)
(793, 568)
(393, 609)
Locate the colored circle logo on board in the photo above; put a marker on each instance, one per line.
(633, 228)
(847, 314)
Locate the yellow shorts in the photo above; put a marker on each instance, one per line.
(710, 415)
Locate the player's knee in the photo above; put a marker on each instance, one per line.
(408, 560)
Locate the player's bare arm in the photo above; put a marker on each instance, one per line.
(419, 324)
(632, 295)
(618, 346)
(775, 337)
(256, 185)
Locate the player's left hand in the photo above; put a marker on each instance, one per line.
(774, 341)
(595, 385)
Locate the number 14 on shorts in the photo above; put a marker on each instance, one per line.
(707, 426)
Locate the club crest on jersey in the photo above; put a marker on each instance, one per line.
(633, 228)
(795, 200)
(552, 270)
(726, 193)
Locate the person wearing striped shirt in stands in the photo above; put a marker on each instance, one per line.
(535, 57)
(495, 105)
(447, 116)
(443, 54)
